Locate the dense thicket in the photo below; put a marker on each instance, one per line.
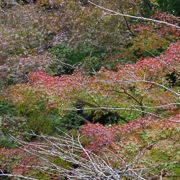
(82, 69)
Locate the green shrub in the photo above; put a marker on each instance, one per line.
(67, 59)
(8, 143)
(70, 121)
(40, 118)
(6, 107)
(170, 6)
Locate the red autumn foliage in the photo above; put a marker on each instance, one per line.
(162, 30)
(101, 137)
(150, 69)
(17, 160)
(56, 85)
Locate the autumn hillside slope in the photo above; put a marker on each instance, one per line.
(87, 93)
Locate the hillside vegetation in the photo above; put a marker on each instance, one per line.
(90, 90)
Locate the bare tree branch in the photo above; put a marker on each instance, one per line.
(134, 17)
(89, 165)
(2, 174)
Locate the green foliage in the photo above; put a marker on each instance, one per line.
(40, 119)
(6, 108)
(39, 175)
(146, 6)
(68, 58)
(86, 51)
(146, 44)
(161, 154)
(71, 120)
(61, 163)
(8, 143)
(170, 6)
(9, 124)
